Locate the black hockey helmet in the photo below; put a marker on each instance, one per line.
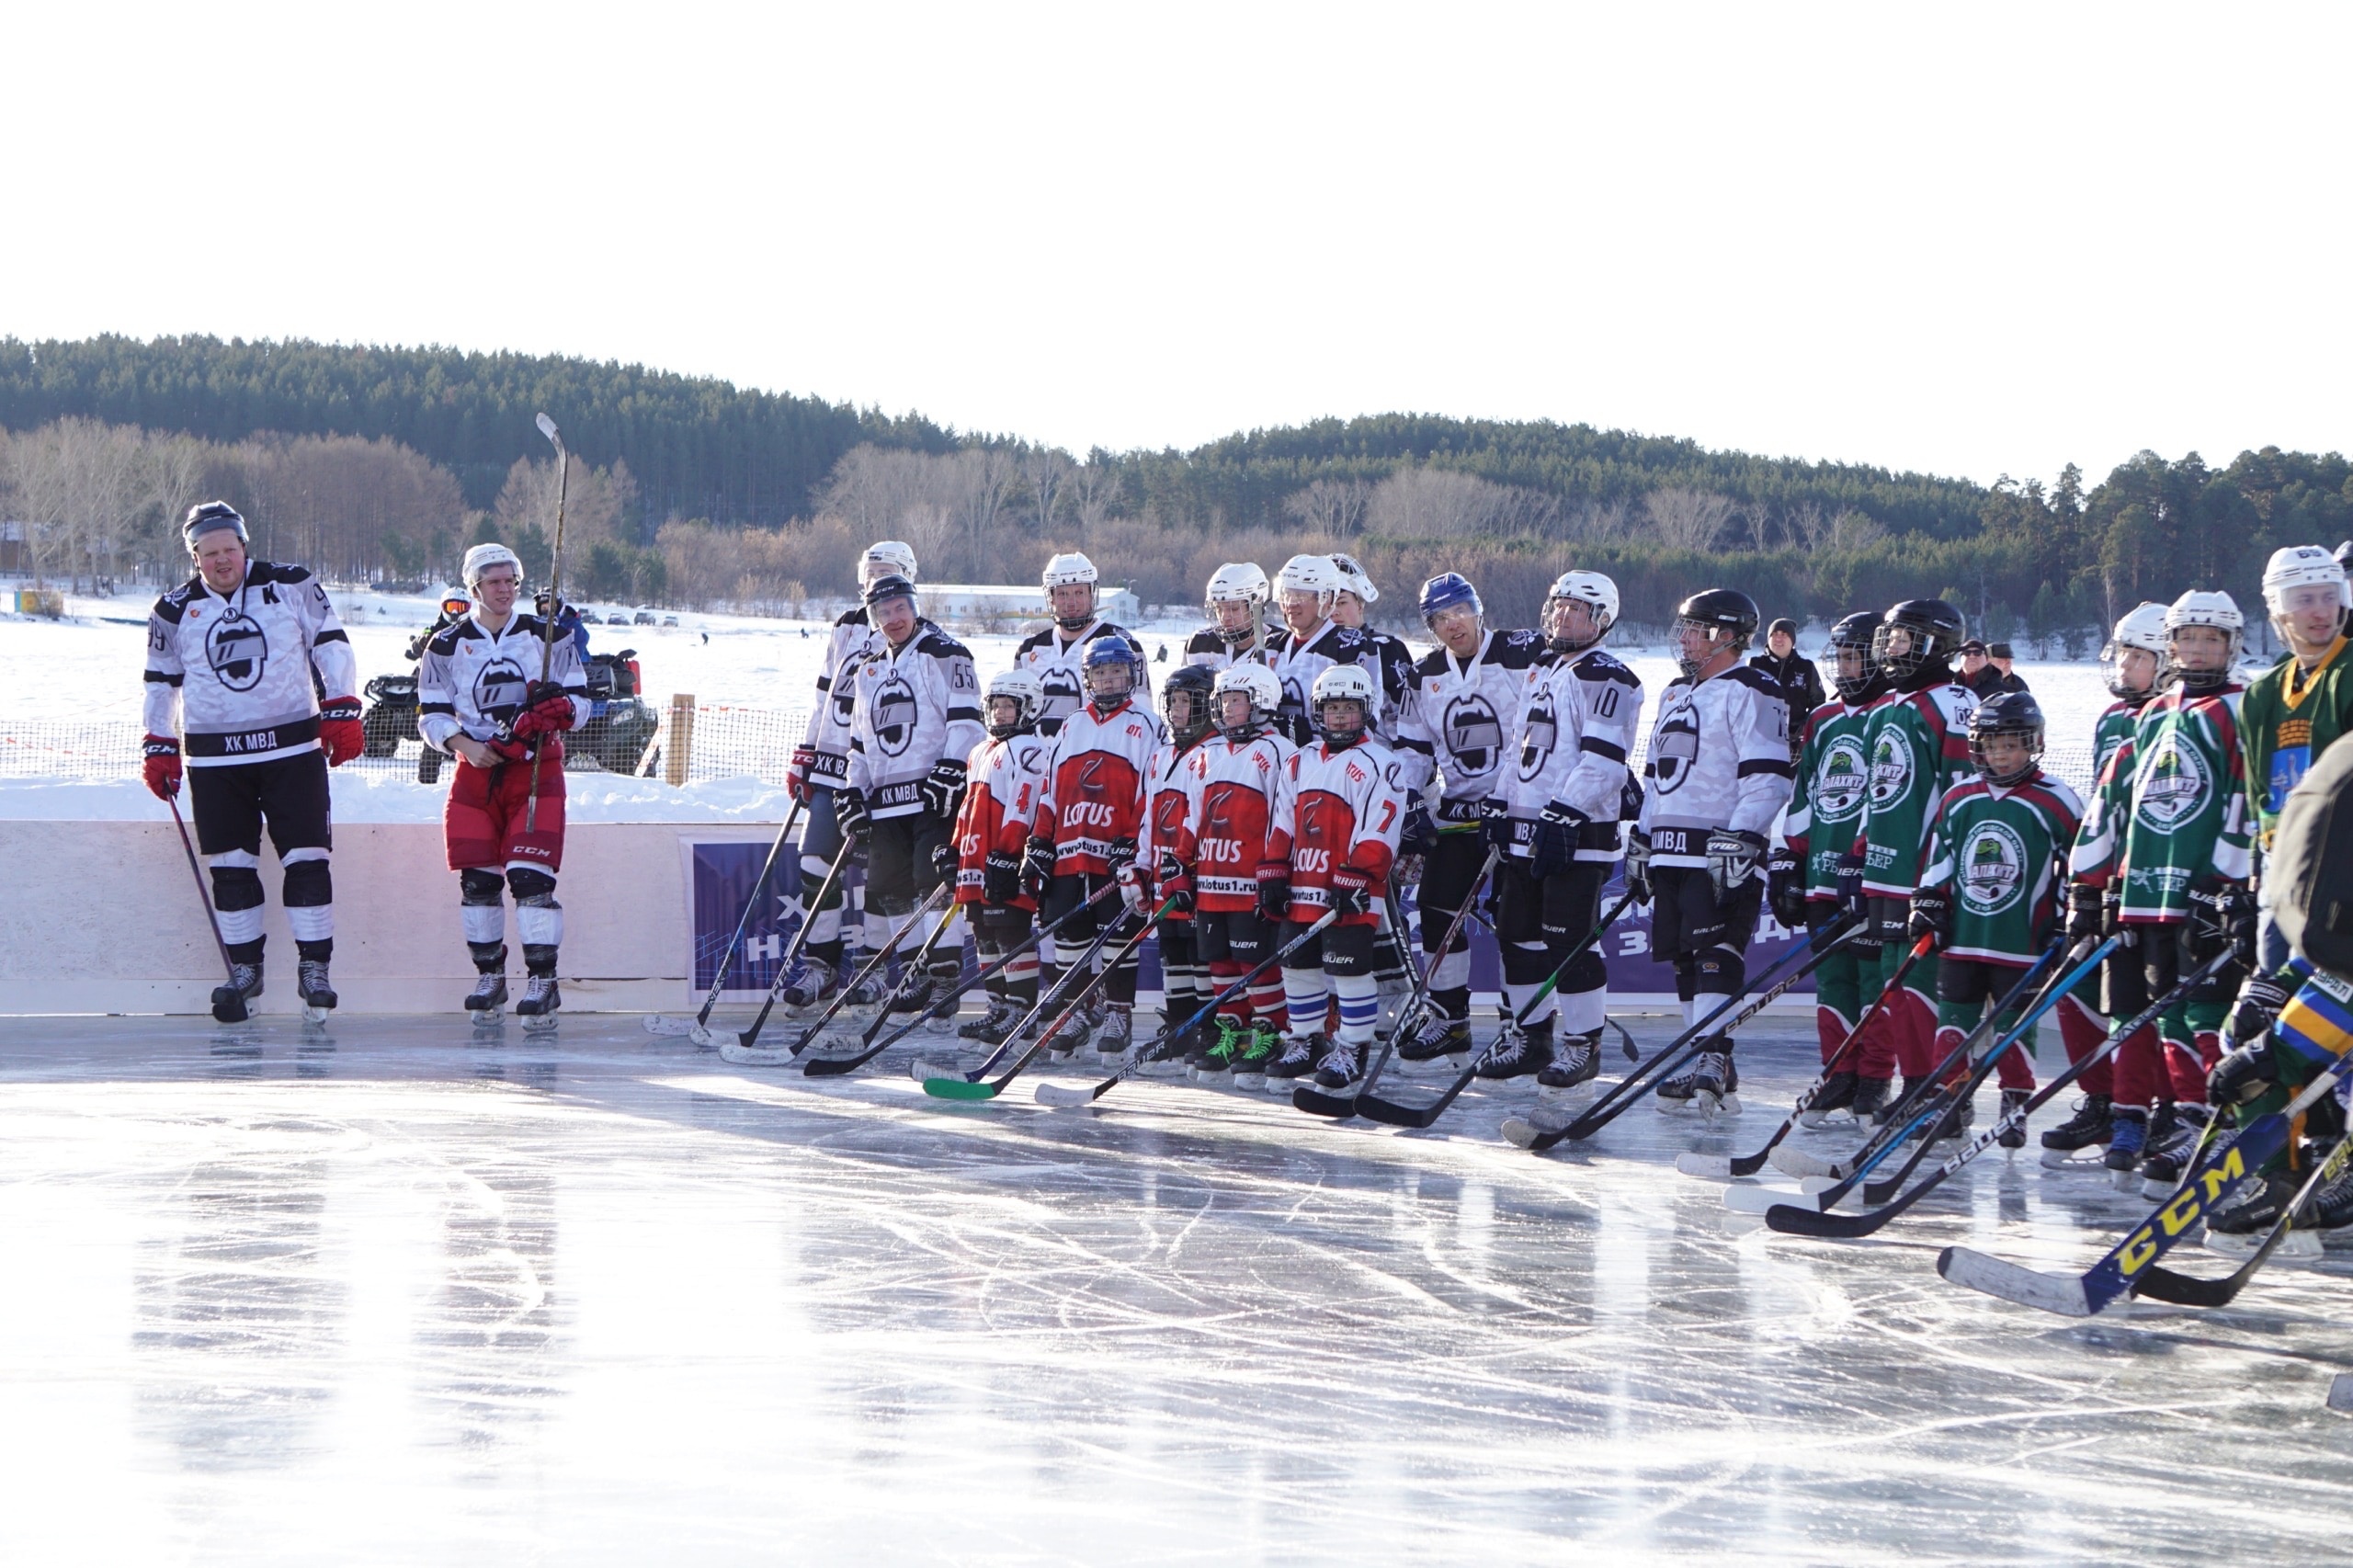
(2345, 556)
(2007, 713)
(207, 516)
(1191, 721)
(1727, 614)
(1855, 632)
(1934, 633)
(891, 586)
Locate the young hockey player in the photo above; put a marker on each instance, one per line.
(1234, 782)
(820, 768)
(2176, 848)
(2133, 666)
(1334, 838)
(1394, 661)
(1917, 740)
(1309, 641)
(1236, 606)
(232, 654)
(479, 697)
(1056, 654)
(1577, 732)
(916, 721)
(1716, 776)
(1463, 722)
(1089, 827)
(1185, 709)
(1005, 777)
(1825, 815)
(1997, 847)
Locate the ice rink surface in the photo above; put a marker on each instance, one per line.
(397, 1292)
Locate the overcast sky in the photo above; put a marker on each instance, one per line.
(1971, 240)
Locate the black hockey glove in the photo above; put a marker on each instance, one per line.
(943, 863)
(2084, 917)
(2208, 929)
(1176, 883)
(1733, 860)
(850, 813)
(1931, 915)
(1037, 866)
(1495, 824)
(1000, 878)
(2256, 1010)
(943, 790)
(1554, 847)
(1785, 886)
(1638, 865)
(1351, 892)
(1121, 854)
(1850, 886)
(1274, 890)
(1419, 834)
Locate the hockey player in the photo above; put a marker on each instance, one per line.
(820, 768)
(1057, 653)
(1997, 849)
(1577, 732)
(1716, 776)
(2177, 849)
(916, 723)
(1394, 661)
(232, 654)
(1237, 605)
(1463, 720)
(2133, 666)
(1334, 838)
(479, 697)
(1005, 775)
(1917, 740)
(1310, 641)
(1090, 824)
(1825, 812)
(1235, 783)
(1185, 709)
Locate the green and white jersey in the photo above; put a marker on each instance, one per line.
(2002, 850)
(2172, 806)
(1918, 747)
(1825, 812)
(2112, 729)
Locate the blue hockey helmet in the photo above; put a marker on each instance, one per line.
(1112, 669)
(1447, 590)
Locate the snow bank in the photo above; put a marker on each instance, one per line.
(392, 797)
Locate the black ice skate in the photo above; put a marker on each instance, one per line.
(2085, 1129)
(2014, 1103)
(1440, 1036)
(489, 994)
(1517, 1052)
(230, 999)
(1871, 1100)
(1710, 1089)
(1340, 1070)
(318, 992)
(2172, 1141)
(1837, 1094)
(1576, 1061)
(991, 1027)
(541, 1000)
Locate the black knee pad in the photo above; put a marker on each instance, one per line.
(1525, 964)
(1585, 972)
(478, 886)
(1719, 971)
(308, 885)
(236, 887)
(532, 886)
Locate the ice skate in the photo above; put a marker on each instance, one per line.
(1117, 1033)
(2236, 1227)
(1836, 1100)
(1897, 1091)
(2014, 1103)
(1341, 1070)
(1568, 1078)
(1871, 1100)
(232, 999)
(541, 1000)
(866, 997)
(2128, 1134)
(1280, 1068)
(1438, 1038)
(1710, 1089)
(2087, 1128)
(992, 1027)
(813, 984)
(318, 993)
(488, 997)
(1953, 1121)
(1261, 1050)
(1517, 1052)
(1214, 1059)
(1067, 1036)
(2168, 1159)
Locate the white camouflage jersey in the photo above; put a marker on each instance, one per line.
(853, 638)
(1054, 657)
(1210, 652)
(1464, 719)
(237, 667)
(1719, 758)
(1576, 735)
(1297, 661)
(470, 682)
(916, 706)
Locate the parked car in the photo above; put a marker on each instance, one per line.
(644, 617)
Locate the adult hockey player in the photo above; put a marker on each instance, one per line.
(1917, 740)
(820, 768)
(1716, 776)
(1185, 708)
(1235, 603)
(1309, 641)
(2176, 847)
(1577, 732)
(232, 654)
(1334, 838)
(1090, 824)
(1004, 779)
(1463, 722)
(1056, 654)
(915, 723)
(480, 697)
(1824, 816)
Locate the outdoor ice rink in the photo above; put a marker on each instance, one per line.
(392, 1290)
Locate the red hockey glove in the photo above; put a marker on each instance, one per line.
(339, 730)
(162, 767)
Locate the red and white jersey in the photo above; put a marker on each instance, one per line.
(1237, 790)
(1095, 785)
(1344, 808)
(1002, 783)
(1166, 802)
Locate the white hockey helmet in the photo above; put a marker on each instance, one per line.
(1343, 683)
(1355, 579)
(1592, 589)
(2204, 607)
(2142, 627)
(1071, 569)
(886, 558)
(2299, 566)
(1237, 581)
(1264, 691)
(482, 557)
(1310, 575)
(1024, 689)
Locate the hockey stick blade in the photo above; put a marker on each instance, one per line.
(1765, 1199)
(709, 1039)
(1800, 1163)
(1316, 1102)
(2059, 1293)
(1062, 1097)
(663, 1024)
(547, 428)
(959, 1090)
(2340, 1393)
(1716, 1167)
(753, 1055)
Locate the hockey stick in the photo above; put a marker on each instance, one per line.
(1525, 1134)
(1691, 1162)
(749, 1056)
(228, 1001)
(1315, 1101)
(2160, 1283)
(555, 603)
(964, 1089)
(1063, 1098)
(658, 1023)
(1049, 999)
(835, 1067)
(711, 1038)
(1391, 1114)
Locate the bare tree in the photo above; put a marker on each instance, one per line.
(1048, 472)
(1689, 519)
(986, 475)
(1437, 503)
(1094, 489)
(596, 502)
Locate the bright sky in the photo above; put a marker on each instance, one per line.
(1969, 239)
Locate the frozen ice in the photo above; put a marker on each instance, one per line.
(395, 1290)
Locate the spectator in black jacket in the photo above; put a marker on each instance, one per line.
(1797, 676)
(1987, 671)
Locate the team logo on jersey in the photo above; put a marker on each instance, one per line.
(1538, 735)
(1993, 869)
(1891, 766)
(894, 715)
(2170, 785)
(1675, 746)
(1841, 779)
(1060, 684)
(1474, 736)
(499, 686)
(238, 651)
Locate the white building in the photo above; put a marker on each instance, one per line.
(1008, 606)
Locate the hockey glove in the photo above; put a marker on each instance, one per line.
(2242, 1076)
(1407, 872)
(943, 863)
(850, 815)
(796, 774)
(2083, 914)
(1850, 885)
(1554, 847)
(1733, 860)
(1121, 854)
(546, 711)
(2208, 929)
(943, 788)
(1037, 866)
(1495, 824)
(1931, 915)
(1274, 890)
(1351, 892)
(1786, 887)
(1419, 834)
(2253, 1014)
(1135, 888)
(339, 730)
(1000, 878)
(1638, 865)
(162, 767)
(1176, 883)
